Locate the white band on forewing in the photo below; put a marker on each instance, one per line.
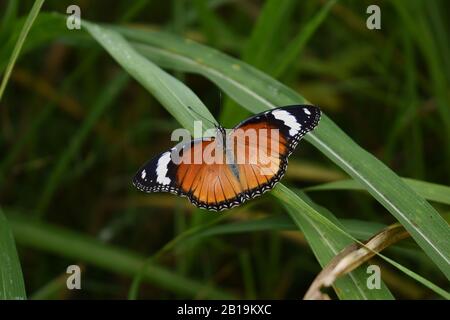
(161, 169)
(288, 119)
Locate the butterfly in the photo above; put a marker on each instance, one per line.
(247, 161)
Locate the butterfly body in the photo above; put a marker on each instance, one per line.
(227, 170)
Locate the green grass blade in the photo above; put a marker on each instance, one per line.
(416, 23)
(32, 130)
(133, 10)
(421, 220)
(265, 35)
(430, 191)
(270, 223)
(46, 28)
(419, 278)
(23, 34)
(291, 199)
(294, 49)
(326, 247)
(8, 18)
(168, 90)
(51, 289)
(72, 245)
(105, 99)
(438, 28)
(215, 30)
(11, 279)
(261, 48)
(359, 229)
(257, 92)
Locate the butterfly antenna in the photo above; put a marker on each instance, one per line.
(201, 116)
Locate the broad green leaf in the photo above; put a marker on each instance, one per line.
(11, 279)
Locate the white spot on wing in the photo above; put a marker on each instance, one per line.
(307, 111)
(289, 120)
(161, 169)
(143, 174)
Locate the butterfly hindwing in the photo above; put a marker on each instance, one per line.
(209, 186)
(157, 175)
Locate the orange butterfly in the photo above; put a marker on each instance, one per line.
(222, 172)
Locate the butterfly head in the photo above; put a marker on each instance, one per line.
(221, 130)
(221, 134)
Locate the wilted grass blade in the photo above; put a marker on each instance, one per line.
(326, 243)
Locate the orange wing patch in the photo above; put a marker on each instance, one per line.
(258, 149)
(260, 155)
(265, 158)
(208, 185)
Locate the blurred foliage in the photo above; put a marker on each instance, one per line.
(74, 128)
